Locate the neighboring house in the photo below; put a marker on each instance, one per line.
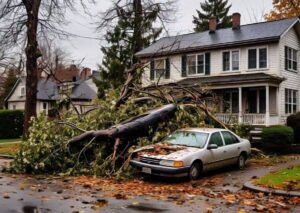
(253, 69)
(50, 92)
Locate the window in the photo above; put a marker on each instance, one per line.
(290, 59)
(258, 58)
(229, 138)
(216, 138)
(185, 138)
(231, 102)
(196, 64)
(159, 68)
(22, 91)
(291, 101)
(231, 60)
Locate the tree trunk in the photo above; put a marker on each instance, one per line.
(137, 32)
(32, 9)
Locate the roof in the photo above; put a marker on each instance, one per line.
(48, 90)
(247, 34)
(232, 79)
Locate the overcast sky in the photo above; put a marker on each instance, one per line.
(89, 48)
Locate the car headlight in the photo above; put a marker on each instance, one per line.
(171, 163)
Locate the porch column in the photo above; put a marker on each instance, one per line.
(267, 105)
(240, 105)
(277, 101)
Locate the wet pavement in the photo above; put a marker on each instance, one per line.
(39, 194)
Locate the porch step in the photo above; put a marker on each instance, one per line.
(255, 135)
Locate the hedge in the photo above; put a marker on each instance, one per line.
(294, 122)
(11, 123)
(279, 135)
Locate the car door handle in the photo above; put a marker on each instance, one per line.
(239, 147)
(225, 151)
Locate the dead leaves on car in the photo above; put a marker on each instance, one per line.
(160, 149)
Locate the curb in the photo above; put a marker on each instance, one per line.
(7, 156)
(251, 186)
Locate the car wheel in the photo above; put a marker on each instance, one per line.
(241, 161)
(195, 171)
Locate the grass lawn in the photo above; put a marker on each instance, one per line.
(288, 179)
(10, 140)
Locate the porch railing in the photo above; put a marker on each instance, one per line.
(228, 118)
(254, 119)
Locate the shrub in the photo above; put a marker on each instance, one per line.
(279, 135)
(242, 130)
(294, 122)
(11, 123)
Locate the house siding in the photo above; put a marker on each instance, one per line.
(217, 64)
(292, 81)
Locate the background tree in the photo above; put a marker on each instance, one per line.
(23, 21)
(131, 27)
(9, 83)
(283, 9)
(212, 8)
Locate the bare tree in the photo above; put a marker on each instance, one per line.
(23, 21)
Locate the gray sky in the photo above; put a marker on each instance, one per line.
(89, 49)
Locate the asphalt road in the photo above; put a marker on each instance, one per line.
(28, 194)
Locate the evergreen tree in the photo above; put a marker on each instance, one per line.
(8, 85)
(212, 8)
(133, 31)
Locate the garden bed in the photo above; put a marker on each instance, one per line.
(9, 149)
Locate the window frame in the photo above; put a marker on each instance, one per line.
(258, 58)
(155, 70)
(291, 94)
(291, 59)
(196, 65)
(223, 142)
(23, 91)
(232, 135)
(231, 60)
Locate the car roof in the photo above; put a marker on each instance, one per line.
(205, 130)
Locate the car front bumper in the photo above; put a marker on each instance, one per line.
(160, 170)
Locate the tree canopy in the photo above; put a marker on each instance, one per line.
(212, 8)
(283, 9)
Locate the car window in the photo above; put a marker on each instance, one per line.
(229, 138)
(187, 138)
(216, 138)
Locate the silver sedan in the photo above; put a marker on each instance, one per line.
(189, 152)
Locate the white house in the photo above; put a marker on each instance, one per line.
(253, 69)
(81, 92)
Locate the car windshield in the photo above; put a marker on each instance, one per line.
(186, 138)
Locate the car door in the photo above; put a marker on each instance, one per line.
(233, 147)
(214, 158)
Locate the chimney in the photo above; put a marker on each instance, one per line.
(236, 21)
(212, 24)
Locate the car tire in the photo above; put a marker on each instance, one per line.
(195, 171)
(241, 161)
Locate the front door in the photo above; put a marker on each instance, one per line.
(252, 101)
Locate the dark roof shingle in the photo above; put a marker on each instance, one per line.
(259, 32)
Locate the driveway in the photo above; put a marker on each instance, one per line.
(219, 191)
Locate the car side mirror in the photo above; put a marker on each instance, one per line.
(212, 146)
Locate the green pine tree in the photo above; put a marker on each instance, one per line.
(8, 85)
(132, 32)
(212, 8)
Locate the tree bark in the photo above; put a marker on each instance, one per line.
(32, 53)
(137, 32)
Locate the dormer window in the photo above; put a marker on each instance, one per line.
(23, 91)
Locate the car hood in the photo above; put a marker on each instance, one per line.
(166, 151)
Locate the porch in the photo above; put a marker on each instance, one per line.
(248, 105)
